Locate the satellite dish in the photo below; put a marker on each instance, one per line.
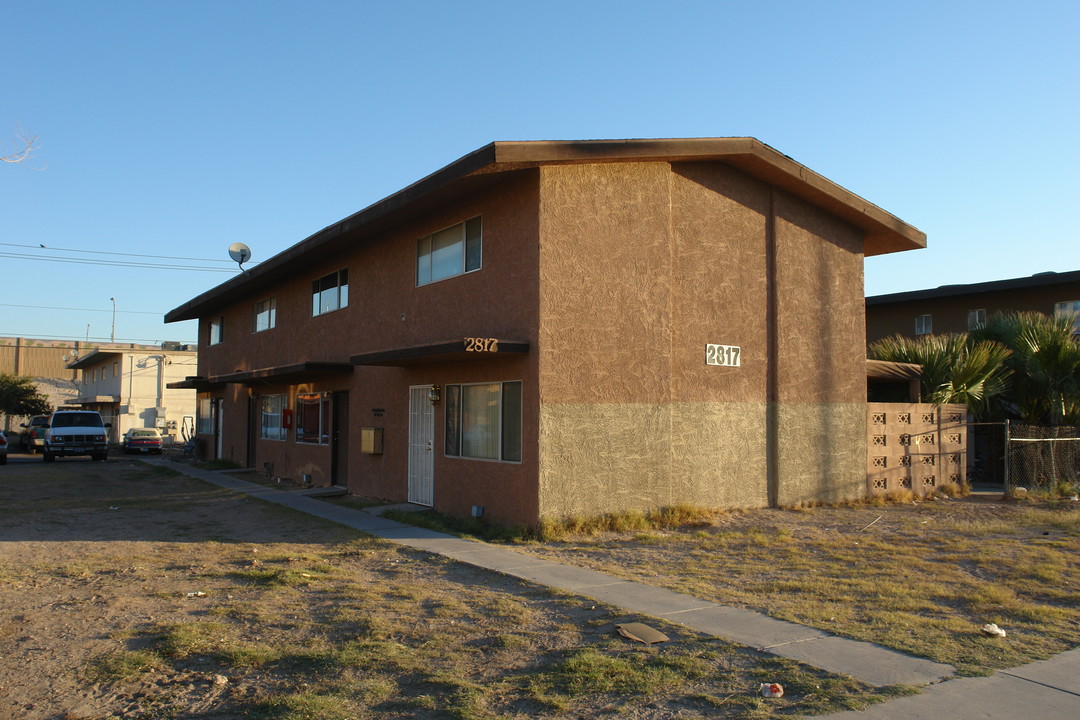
(240, 252)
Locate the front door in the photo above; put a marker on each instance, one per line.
(421, 447)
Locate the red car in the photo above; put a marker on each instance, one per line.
(142, 440)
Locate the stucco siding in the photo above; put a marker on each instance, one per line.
(821, 452)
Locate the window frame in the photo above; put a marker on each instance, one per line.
(216, 331)
(322, 413)
(924, 327)
(979, 319)
(1068, 307)
(340, 293)
(510, 418)
(273, 406)
(471, 252)
(266, 307)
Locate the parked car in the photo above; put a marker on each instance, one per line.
(76, 432)
(142, 440)
(33, 435)
(3, 448)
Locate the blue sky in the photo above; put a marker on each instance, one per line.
(176, 129)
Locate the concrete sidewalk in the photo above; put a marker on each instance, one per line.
(1047, 690)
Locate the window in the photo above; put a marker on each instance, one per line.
(115, 368)
(217, 330)
(265, 315)
(924, 324)
(450, 252)
(484, 421)
(313, 418)
(205, 416)
(271, 408)
(1070, 308)
(976, 319)
(330, 292)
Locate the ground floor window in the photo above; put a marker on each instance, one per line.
(313, 418)
(483, 421)
(272, 409)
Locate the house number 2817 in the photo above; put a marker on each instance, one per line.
(481, 345)
(727, 355)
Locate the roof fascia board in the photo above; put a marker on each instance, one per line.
(945, 291)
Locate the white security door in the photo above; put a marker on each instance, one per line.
(421, 447)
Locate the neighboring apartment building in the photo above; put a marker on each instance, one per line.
(959, 308)
(129, 387)
(552, 329)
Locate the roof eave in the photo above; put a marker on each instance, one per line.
(883, 232)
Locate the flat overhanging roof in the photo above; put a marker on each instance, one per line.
(298, 372)
(883, 232)
(889, 370)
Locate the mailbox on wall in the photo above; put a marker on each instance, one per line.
(371, 439)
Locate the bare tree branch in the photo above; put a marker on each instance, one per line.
(23, 149)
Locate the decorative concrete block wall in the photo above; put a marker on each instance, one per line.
(915, 446)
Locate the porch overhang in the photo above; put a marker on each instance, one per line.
(304, 371)
(194, 382)
(466, 350)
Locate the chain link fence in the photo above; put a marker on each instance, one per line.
(1041, 458)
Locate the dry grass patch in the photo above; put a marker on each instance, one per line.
(188, 601)
(919, 577)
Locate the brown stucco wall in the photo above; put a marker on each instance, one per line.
(820, 359)
(631, 416)
(387, 311)
(950, 313)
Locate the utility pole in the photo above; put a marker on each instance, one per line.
(112, 336)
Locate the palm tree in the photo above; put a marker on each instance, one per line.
(1045, 365)
(955, 369)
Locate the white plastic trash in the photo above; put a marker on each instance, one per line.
(992, 630)
(772, 690)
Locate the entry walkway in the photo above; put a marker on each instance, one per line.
(1047, 690)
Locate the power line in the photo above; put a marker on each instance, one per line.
(106, 252)
(46, 307)
(116, 263)
(92, 338)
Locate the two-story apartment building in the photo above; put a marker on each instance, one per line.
(959, 308)
(130, 387)
(551, 329)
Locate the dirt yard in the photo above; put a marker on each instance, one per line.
(128, 591)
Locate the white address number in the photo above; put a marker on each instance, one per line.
(727, 355)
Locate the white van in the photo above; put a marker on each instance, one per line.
(75, 432)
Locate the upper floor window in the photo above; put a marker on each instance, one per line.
(330, 292)
(976, 319)
(924, 324)
(265, 315)
(1070, 308)
(217, 330)
(453, 251)
(115, 368)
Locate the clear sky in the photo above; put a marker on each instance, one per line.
(173, 129)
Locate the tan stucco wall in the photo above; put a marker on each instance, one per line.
(631, 416)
